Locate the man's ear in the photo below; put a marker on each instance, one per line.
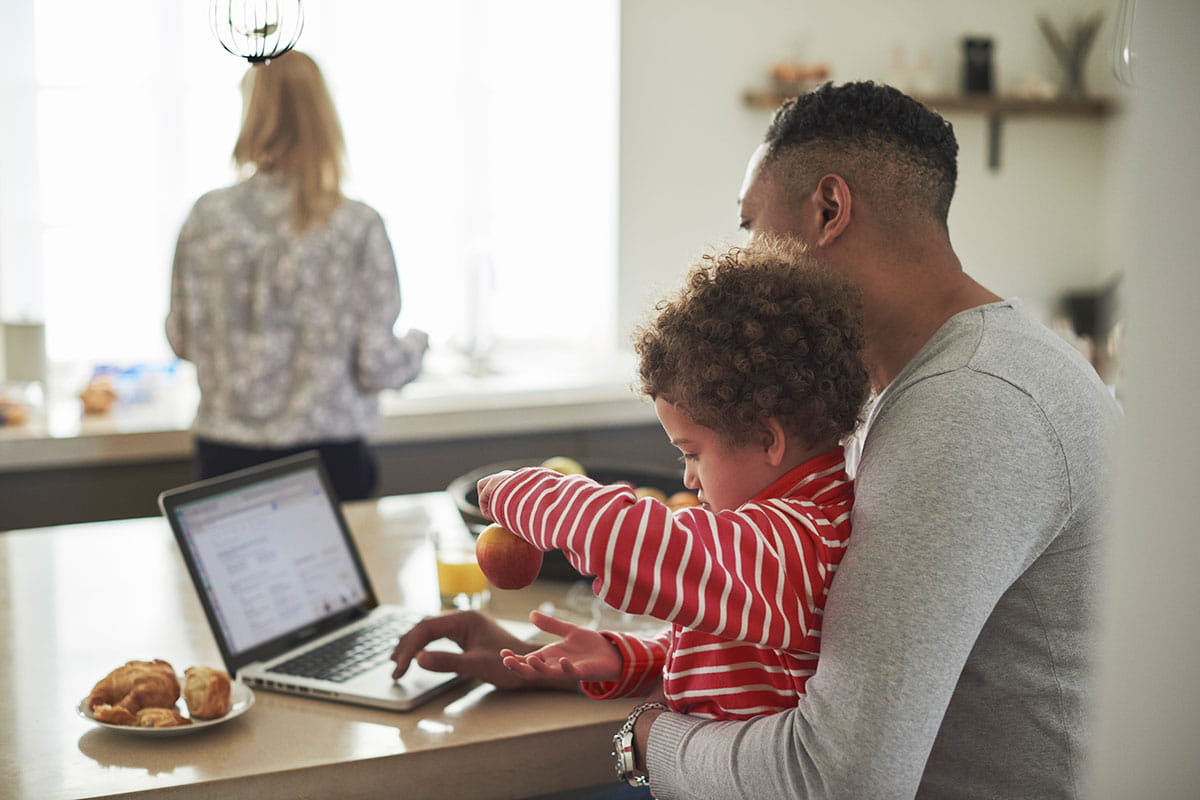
(833, 203)
(773, 441)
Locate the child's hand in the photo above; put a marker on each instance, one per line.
(582, 655)
(484, 488)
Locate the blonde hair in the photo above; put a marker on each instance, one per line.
(291, 128)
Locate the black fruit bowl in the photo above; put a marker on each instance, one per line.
(462, 489)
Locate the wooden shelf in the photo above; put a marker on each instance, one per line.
(982, 104)
(994, 107)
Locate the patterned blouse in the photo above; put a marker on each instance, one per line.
(291, 336)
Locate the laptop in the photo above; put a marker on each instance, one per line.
(284, 589)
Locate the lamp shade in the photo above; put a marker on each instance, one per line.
(257, 30)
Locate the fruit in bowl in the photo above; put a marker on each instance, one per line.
(507, 560)
(681, 500)
(651, 491)
(567, 466)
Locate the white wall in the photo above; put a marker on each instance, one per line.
(1033, 229)
(1149, 722)
(1073, 202)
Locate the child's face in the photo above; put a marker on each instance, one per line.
(724, 476)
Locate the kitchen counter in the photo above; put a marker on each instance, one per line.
(66, 467)
(556, 393)
(77, 601)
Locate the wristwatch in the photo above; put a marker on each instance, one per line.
(626, 761)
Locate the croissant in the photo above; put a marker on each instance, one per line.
(132, 687)
(161, 718)
(113, 715)
(206, 692)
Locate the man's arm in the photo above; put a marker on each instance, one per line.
(940, 532)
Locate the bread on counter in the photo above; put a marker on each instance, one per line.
(146, 693)
(122, 693)
(207, 692)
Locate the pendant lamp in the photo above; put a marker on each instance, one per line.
(257, 30)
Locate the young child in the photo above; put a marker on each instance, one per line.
(755, 373)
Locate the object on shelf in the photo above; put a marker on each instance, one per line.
(98, 396)
(137, 383)
(977, 65)
(1071, 49)
(792, 78)
(898, 73)
(917, 77)
(13, 413)
(20, 402)
(1034, 87)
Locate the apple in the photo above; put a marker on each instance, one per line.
(567, 466)
(682, 500)
(508, 561)
(651, 491)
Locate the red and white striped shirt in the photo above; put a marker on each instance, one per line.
(744, 589)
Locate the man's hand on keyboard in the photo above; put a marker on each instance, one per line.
(481, 640)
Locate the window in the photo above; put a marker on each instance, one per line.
(484, 132)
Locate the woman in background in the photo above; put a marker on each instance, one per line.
(284, 293)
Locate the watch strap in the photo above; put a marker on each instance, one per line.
(623, 752)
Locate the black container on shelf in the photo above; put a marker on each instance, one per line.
(977, 65)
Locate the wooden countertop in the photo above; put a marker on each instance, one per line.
(79, 600)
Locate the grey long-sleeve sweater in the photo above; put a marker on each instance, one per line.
(957, 654)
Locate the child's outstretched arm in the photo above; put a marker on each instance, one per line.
(756, 574)
(582, 655)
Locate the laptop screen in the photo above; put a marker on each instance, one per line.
(270, 557)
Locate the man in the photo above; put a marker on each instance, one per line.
(956, 655)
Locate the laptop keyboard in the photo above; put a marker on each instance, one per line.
(341, 659)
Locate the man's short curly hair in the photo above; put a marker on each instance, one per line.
(756, 333)
(879, 139)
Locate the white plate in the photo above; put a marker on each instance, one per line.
(239, 693)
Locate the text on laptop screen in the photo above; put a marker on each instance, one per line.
(271, 558)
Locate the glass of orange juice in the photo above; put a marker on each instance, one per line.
(460, 581)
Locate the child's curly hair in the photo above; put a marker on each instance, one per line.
(756, 333)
